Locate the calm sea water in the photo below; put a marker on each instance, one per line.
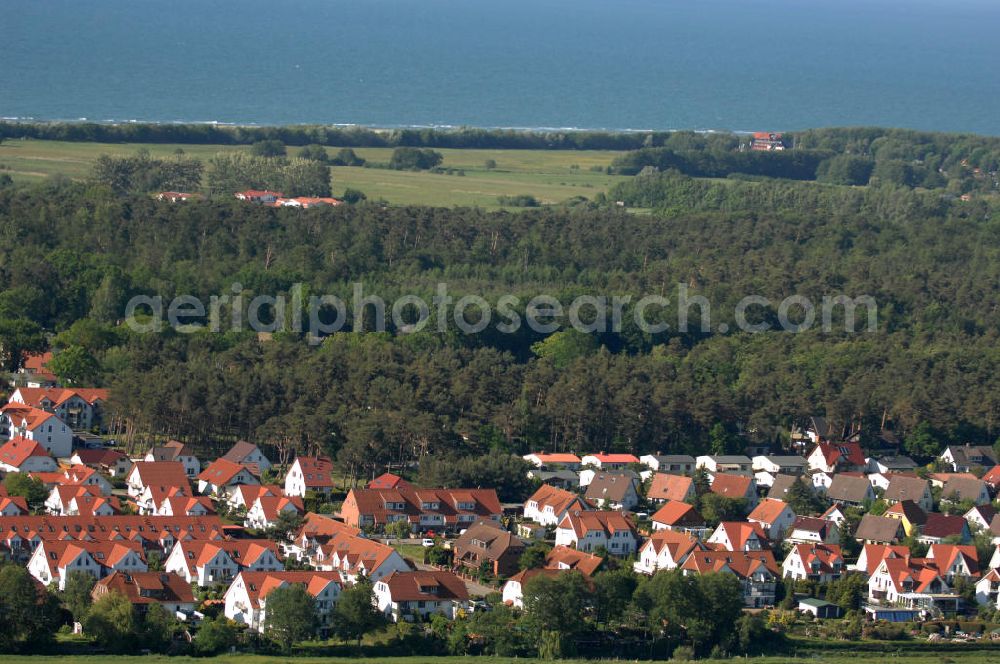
(641, 64)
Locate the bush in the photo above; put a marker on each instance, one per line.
(520, 200)
(683, 653)
(268, 148)
(414, 159)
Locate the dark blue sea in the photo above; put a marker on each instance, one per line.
(611, 64)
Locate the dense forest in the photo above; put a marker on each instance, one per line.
(73, 253)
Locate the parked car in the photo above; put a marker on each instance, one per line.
(427, 542)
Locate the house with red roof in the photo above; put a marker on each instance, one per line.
(988, 589)
(163, 474)
(812, 530)
(246, 597)
(940, 527)
(258, 196)
(53, 560)
(309, 474)
(175, 450)
(592, 530)
(488, 544)
(992, 479)
(249, 455)
(423, 509)
(61, 496)
(837, 457)
(242, 496)
(265, 510)
(566, 558)
(306, 202)
(872, 555)
(143, 589)
(107, 461)
(13, 505)
(35, 369)
(20, 420)
(774, 516)
(208, 563)
(757, 572)
(220, 476)
(388, 481)
(817, 562)
(767, 141)
(553, 460)
(678, 516)
(79, 408)
(737, 487)
(352, 556)
(185, 506)
(907, 582)
(953, 560)
(665, 486)
(549, 504)
(416, 596)
(22, 455)
(738, 536)
(605, 461)
(665, 549)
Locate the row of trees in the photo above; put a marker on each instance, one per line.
(389, 397)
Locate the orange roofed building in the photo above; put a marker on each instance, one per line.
(423, 509)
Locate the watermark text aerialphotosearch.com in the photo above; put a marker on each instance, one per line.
(320, 315)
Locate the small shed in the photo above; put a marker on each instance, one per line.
(819, 608)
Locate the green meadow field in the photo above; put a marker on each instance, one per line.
(551, 176)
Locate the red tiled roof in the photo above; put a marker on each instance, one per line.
(220, 472)
(669, 487)
(430, 585)
(768, 510)
(18, 450)
(731, 486)
(676, 513)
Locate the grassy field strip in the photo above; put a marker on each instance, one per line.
(551, 176)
